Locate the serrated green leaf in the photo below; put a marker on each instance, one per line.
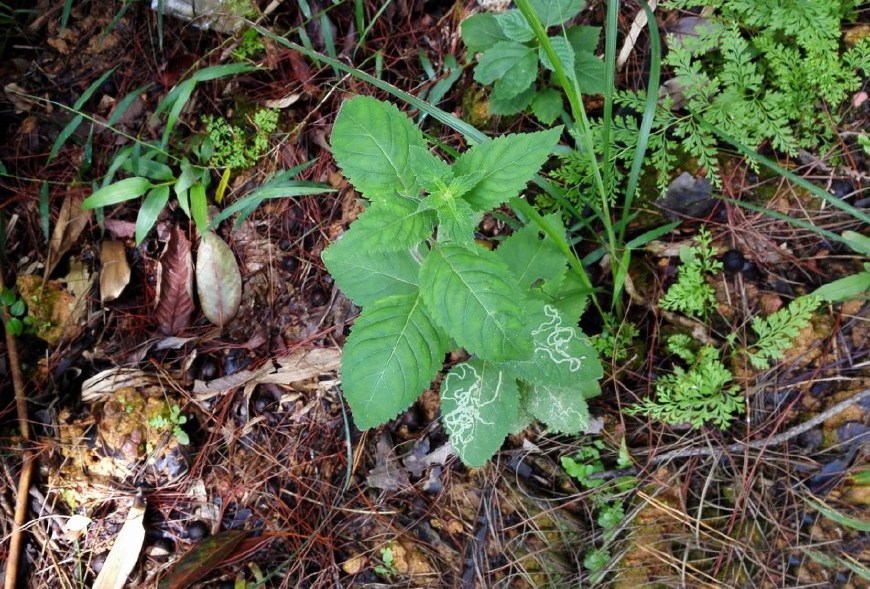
(547, 105)
(514, 26)
(554, 12)
(429, 169)
(120, 191)
(564, 52)
(562, 408)
(457, 222)
(370, 142)
(507, 163)
(511, 106)
(392, 225)
(512, 66)
(218, 280)
(562, 357)
(480, 32)
(479, 403)
(392, 354)
(567, 294)
(153, 203)
(583, 39)
(590, 73)
(365, 276)
(471, 293)
(533, 256)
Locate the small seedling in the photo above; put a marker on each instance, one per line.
(17, 320)
(173, 419)
(387, 568)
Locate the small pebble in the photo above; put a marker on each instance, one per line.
(290, 264)
(197, 530)
(285, 245)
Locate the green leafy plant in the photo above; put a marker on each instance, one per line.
(250, 44)
(691, 294)
(757, 70)
(610, 507)
(775, 333)
(18, 321)
(511, 56)
(615, 339)
(171, 420)
(695, 395)
(230, 146)
(425, 285)
(387, 567)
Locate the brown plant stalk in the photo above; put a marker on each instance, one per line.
(17, 540)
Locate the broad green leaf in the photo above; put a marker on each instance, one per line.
(392, 354)
(562, 408)
(392, 225)
(563, 51)
(514, 26)
(120, 191)
(471, 293)
(218, 280)
(366, 277)
(370, 142)
(533, 256)
(859, 243)
(479, 404)
(511, 106)
(512, 66)
(508, 163)
(583, 39)
(428, 168)
(554, 12)
(590, 72)
(563, 356)
(480, 32)
(547, 105)
(153, 203)
(147, 167)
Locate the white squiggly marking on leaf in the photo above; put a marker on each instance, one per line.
(552, 339)
(462, 421)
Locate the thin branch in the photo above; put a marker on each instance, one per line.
(739, 446)
(17, 540)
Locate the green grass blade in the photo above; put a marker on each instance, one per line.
(44, 214)
(150, 210)
(861, 525)
(649, 111)
(91, 89)
(64, 135)
(791, 220)
(610, 33)
(125, 103)
(794, 178)
(835, 563)
(199, 207)
(64, 17)
(120, 191)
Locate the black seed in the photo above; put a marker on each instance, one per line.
(318, 298)
(733, 261)
(208, 370)
(285, 244)
(290, 264)
(197, 530)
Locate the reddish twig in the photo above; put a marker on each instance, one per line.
(17, 539)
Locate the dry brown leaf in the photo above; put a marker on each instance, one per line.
(70, 223)
(175, 306)
(125, 552)
(115, 274)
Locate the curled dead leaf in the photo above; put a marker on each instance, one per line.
(175, 305)
(115, 273)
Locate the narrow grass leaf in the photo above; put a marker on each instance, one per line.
(125, 102)
(861, 525)
(120, 191)
(64, 135)
(44, 213)
(199, 207)
(152, 205)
